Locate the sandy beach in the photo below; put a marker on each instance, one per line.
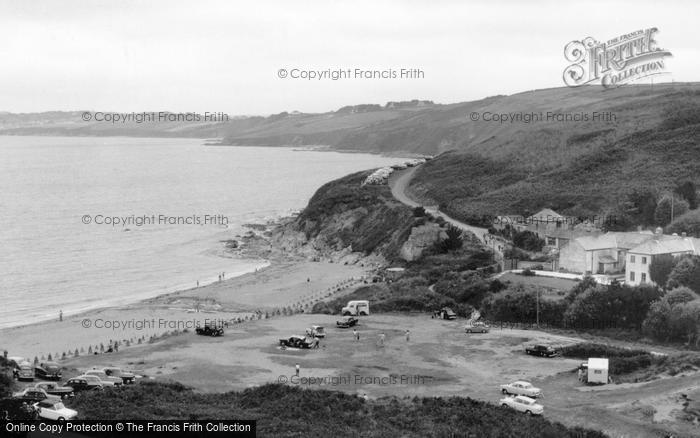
(289, 281)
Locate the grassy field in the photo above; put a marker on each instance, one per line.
(552, 285)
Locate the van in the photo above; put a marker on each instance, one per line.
(356, 308)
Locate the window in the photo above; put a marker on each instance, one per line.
(644, 260)
(644, 277)
(631, 276)
(631, 259)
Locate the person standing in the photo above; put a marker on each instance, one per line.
(60, 315)
(382, 338)
(408, 335)
(296, 368)
(356, 335)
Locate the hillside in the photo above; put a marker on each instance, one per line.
(579, 169)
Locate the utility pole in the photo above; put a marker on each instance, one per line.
(537, 295)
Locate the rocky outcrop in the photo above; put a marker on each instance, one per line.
(421, 238)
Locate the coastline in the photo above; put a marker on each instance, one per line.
(289, 279)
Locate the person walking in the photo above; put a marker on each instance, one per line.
(296, 368)
(382, 338)
(356, 334)
(408, 335)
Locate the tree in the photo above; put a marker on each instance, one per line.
(656, 323)
(688, 223)
(640, 206)
(686, 273)
(685, 320)
(668, 208)
(688, 191)
(453, 241)
(661, 267)
(680, 295)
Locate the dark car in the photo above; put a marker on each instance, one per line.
(541, 350)
(348, 322)
(126, 376)
(33, 395)
(52, 388)
(79, 385)
(445, 313)
(296, 342)
(48, 371)
(210, 330)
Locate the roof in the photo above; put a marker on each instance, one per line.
(597, 363)
(607, 259)
(609, 240)
(545, 215)
(668, 245)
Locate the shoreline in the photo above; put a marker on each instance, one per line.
(289, 280)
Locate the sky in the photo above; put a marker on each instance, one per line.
(226, 56)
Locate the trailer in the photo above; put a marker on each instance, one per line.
(597, 371)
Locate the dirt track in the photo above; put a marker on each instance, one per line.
(439, 360)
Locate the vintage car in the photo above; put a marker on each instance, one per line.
(55, 411)
(79, 384)
(23, 370)
(348, 322)
(476, 327)
(117, 381)
(521, 388)
(445, 313)
(541, 350)
(210, 330)
(53, 388)
(126, 376)
(296, 342)
(48, 371)
(95, 380)
(33, 395)
(523, 404)
(316, 331)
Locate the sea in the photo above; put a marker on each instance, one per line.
(90, 222)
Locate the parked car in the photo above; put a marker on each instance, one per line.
(316, 331)
(521, 388)
(80, 384)
(541, 350)
(523, 404)
(33, 395)
(117, 381)
(296, 342)
(23, 371)
(476, 327)
(53, 388)
(97, 381)
(54, 411)
(126, 376)
(48, 371)
(348, 322)
(210, 330)
(445, 313)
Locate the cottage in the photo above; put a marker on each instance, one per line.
(641, 256)
(600, 253)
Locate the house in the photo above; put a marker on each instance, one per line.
(599, 253)
(556, 230)
(641, 256)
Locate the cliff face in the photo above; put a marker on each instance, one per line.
(421, 238)
(345, 220)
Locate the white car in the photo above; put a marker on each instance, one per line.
(102, 375)
(523, 404)
(55, 411)
(521, 388)
(96, 380)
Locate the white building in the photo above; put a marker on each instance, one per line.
(641, 256)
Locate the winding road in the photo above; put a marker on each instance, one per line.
(399, 181)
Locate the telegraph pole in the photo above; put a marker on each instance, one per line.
(537, 294)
